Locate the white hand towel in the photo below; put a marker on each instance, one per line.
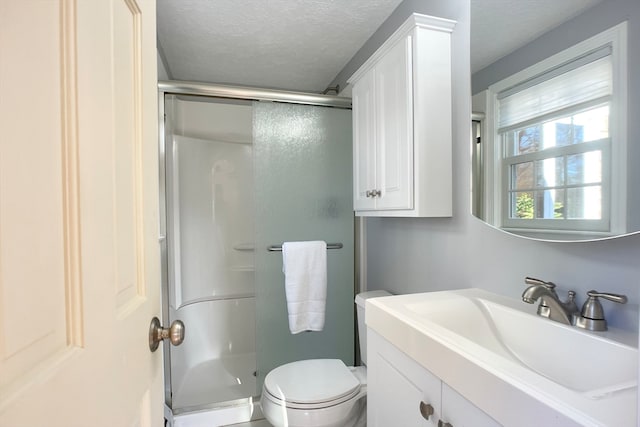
(304, 265)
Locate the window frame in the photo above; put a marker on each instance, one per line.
(496, 189)
(573, 225)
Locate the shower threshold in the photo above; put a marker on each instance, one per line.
(240, 412)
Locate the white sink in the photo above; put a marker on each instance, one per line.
(561, 353)
(512, 363)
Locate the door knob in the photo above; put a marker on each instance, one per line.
(157, 333)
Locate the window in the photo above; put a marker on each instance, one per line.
(558, 131)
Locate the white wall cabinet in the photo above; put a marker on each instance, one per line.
(402, 123)
(383, 156)
(400, 391)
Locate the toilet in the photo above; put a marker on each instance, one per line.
(320, 392)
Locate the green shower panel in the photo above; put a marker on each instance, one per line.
(303, 191)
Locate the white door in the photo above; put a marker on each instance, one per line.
(364, 143)
(394, 127)
(399, 404)
(79, 257)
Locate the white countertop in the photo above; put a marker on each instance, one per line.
(508, 391)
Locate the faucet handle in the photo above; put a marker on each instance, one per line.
(592, 314)
(534, 281)
(620, 299)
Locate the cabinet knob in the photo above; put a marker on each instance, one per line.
(426, 410)
(373, 193)
(441, 424)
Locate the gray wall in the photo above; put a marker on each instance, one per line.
(407, 255)
(162, 70)
(164, 73)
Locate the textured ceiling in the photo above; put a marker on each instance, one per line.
(288, 44)
(303, 44)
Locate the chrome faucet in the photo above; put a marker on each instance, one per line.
(550, 304)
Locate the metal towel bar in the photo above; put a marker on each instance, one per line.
(278, 248)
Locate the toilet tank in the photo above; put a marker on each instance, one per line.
(361, 298)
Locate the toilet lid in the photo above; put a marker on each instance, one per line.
(311, 381)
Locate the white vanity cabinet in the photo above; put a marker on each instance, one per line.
(399, 391)
(402, 123)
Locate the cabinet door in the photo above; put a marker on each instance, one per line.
(397, 386)
(459, 412)
(364, 142)
(400, 406)
(394, 127)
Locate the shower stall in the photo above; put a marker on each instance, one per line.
(243, 171)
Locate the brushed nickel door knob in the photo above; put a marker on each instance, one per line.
(174, 333)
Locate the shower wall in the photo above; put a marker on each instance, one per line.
(210, 228)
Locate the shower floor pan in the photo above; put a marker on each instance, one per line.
(217, 382)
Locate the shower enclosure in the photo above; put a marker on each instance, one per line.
(243, 171)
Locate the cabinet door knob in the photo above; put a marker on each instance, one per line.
(426, 410)
(441, 424)
(368, 193)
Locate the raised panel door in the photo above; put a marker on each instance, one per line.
(79, 259)
(394, 127)
(364, 143)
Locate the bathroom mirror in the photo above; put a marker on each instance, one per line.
(558, 173)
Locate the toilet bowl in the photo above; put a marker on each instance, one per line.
(319, 392)
(313, 393)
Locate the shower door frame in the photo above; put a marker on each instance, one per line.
(173, 87)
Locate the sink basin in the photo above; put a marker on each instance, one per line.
(519, 368)
(561, 353)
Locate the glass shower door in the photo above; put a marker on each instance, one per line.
(303, 185)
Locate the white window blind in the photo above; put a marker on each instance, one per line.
(580, 81)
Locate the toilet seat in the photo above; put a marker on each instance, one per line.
(311, 384)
